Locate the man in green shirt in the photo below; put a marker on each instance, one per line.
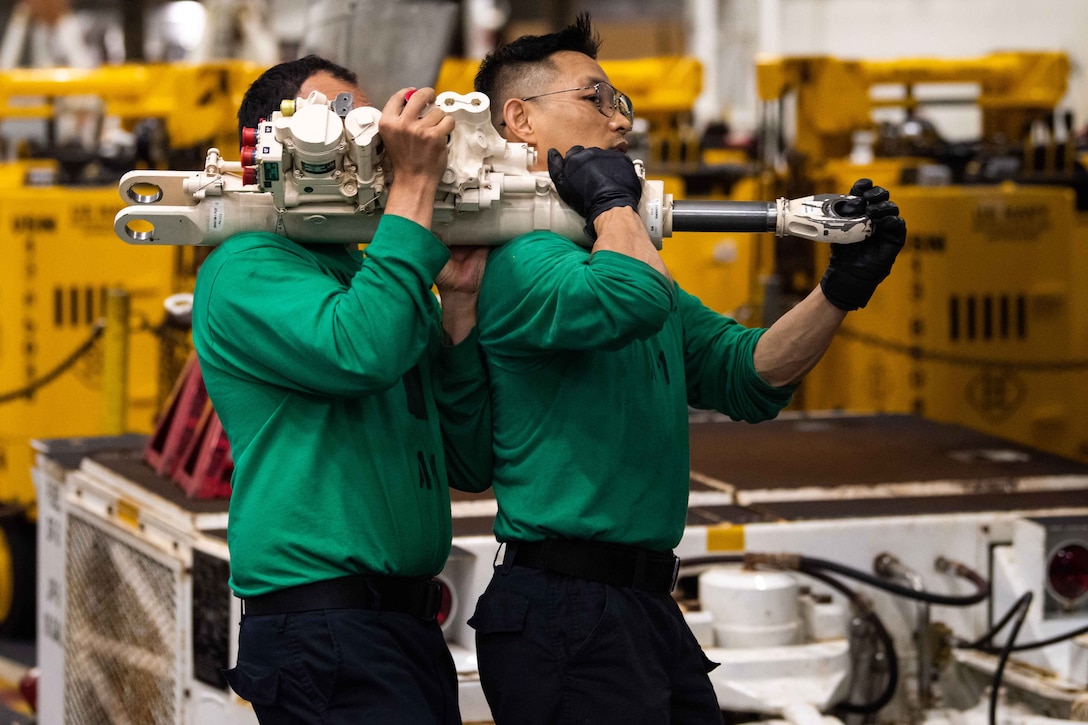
(351, 400)
(595, 355)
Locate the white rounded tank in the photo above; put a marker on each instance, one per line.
(751, 608)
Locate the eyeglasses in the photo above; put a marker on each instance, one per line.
(609, 100)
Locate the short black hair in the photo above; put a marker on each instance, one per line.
(505, 71)
(282, 82)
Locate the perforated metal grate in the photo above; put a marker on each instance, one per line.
(122, 632)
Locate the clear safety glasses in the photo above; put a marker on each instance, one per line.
(609, 100)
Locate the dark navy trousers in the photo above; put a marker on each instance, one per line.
(345, 667)
(554, 649)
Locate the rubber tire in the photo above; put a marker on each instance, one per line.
(19, 536)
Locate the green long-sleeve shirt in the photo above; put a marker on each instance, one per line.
(594, 360)
(329, 376)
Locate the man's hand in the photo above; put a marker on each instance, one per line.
(856, 269)
(459, 288)
(592, 181)
(415, 144)
(464, 271)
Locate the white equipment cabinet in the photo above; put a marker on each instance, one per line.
(135, 615)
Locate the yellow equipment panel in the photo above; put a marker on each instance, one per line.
(60, 259)
(982, 321)
(61, 256)
(198, 103)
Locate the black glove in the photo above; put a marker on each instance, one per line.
(592, 181)
(856, 269)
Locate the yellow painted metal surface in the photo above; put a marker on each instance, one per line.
(725, 538)
(834, 95)
(197, 102)
(128, 513)
(61, 256)
(60, 259)
(982, 321)
(115, 363)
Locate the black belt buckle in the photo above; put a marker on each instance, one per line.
(431, 601)
(675, 573)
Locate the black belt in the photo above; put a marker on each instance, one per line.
(616, 564)
(417, 596)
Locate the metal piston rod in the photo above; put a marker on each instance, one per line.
(729, 216)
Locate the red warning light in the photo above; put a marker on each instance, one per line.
(1067, 572)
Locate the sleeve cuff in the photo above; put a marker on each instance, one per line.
(402, 237)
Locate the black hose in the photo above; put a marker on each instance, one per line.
(1050, 640)
(28, 390)
(983, 643)
(817, 568)
(885, 639)
(799, 562)
(1021, 606)
(807, 562)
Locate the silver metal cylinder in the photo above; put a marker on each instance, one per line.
(724, 216)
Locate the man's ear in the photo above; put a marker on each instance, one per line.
(518, 120)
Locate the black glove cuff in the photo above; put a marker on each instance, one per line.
(846, 292)
(601, 207)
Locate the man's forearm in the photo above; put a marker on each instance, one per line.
(621, 230)
(458, 315)
(413, 198)
(796, 342)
